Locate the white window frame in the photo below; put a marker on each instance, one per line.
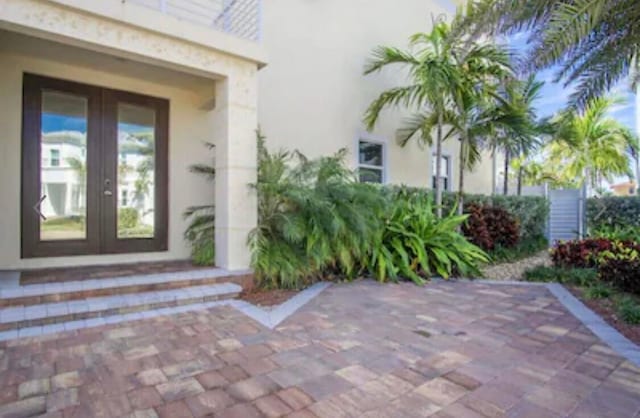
(449, 171)
(57, 159)
(367, 137)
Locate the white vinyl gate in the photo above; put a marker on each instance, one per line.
(566, 215)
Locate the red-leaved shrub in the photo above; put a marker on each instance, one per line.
(580, 253)
(491, 226)
(623, 272)
(476, 230)
(617, 262)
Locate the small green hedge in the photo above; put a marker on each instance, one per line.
(530, 211)
(603, 212)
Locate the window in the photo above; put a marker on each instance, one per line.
(54, 157)
(371, 162)
(445, 171)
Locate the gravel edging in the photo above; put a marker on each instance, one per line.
(515, 270)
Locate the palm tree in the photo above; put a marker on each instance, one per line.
(535, 172)
(520, 131)
(593, 42)
(433, 72)
(201, 229)
(472, 116)
(591, 147)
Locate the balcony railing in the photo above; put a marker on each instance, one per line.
(241, 18)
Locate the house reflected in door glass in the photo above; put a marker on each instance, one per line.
(63, 166)
(136, 171)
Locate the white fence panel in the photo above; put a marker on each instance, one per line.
(566, 215)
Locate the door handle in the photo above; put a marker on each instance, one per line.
(107, 188)
(36, 207)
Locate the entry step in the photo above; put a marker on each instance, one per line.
(36, 294)
(17, 317)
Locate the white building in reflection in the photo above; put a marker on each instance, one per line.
(63, 171)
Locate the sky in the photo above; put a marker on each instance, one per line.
(554, 96)
(55, 123)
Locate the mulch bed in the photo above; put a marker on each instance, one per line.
(605, 308)
(262, 297)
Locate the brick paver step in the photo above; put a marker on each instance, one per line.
(17, 317)
(82, 289)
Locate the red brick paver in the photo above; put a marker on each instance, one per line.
(362, 349)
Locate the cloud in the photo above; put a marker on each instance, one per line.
(622, 108)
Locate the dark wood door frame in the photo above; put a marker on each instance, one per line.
(101, 160)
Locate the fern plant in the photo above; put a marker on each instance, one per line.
(313, 218)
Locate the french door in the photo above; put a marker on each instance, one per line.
(94, 170)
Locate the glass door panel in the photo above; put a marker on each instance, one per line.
(134, 216)
(63, 166)
(136, 171)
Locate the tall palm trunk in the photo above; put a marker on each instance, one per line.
(439, 167)
(494, 173)
(507, 160)
(463, 142)
(520, 175)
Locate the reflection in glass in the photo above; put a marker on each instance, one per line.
(63, 166)
(370, 153)
(136, 157)
(370, 175)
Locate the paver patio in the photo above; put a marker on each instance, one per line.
(361, 349)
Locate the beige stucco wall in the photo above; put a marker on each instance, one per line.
(313, 94)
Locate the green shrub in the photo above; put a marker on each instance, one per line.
(128, 218)
(598, 291)
(531, 212)
(525, 248)
(616, 232)
(541, 274)
(629, 310)
(613, 212)
(203, 252)
(416, 244)
(577, 276)
(313, 218)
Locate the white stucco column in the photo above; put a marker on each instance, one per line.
(236, 167)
